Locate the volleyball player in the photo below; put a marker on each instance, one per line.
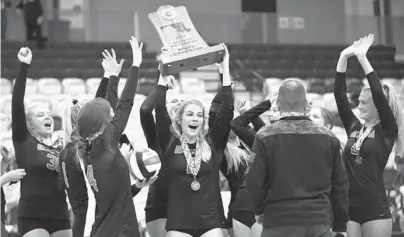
(106, 170)
(369, 144)
(233, 164)
(193, 160)
(42, 209)
(244, 223)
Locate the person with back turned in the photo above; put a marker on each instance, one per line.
(297, 178)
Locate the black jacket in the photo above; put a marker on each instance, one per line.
(298, 176)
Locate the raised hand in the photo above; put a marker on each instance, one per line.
(362, 49)
(171, 82)
(110, 65)
(350, 50)
(25, 55)
(136, 51)
(244, 106)
(226, 59)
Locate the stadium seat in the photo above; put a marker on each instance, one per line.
(84, 98)
(5, 104)
(31, 86)
(37, 98)
(271, 86)
(73, 86)
(315, 98)
(5, 122)
(92, 85)
(5, 86)
(316, 85)
(192, 86)
(49, 86)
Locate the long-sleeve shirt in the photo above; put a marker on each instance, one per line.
(108, 172)
(156, 204)
(365, 172)
(233, 178)
(41, 193)
(297, 171)
(181, 197)
(246, 134)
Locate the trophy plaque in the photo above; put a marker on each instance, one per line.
(183, 47)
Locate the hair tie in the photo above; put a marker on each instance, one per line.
(74, 101)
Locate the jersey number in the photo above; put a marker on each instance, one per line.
(53, 163)
(90, 177)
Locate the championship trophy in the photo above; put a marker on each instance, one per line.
(183, 47)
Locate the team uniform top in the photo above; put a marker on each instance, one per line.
(156, 204)
(41, 193)
(247, 134)
(365, 171)
(108, 172)
(188, 209)
(71, 171)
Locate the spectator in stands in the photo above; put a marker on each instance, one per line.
(369, 144)
(107, 172)
(33, 18)
(42, 207)
(297, 203)
(6, 178)
(193, 158)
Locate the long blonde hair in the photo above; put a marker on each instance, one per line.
(176, 127)
(68, 110)
(395, 106)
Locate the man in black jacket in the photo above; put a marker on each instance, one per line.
(297, 182)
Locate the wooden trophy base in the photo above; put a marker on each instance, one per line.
(188, 61)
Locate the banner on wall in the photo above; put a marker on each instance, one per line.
(294, 23)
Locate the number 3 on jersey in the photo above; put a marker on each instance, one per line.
(91, 178)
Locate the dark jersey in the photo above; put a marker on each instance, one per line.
(182, 211)
(108, 172)
(3, 207)
(41, 193)
(156, 204)
(365, 172)
(246, 134)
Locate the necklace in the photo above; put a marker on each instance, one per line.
(193, 163)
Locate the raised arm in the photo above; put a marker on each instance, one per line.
(147, 120)
(116, 127)
(240, 124)
(221, 126)
(18, 119)
(348, 118)
(111, 94)
(215, 105)
(163, 120)
(102, 88)
(387, 119)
